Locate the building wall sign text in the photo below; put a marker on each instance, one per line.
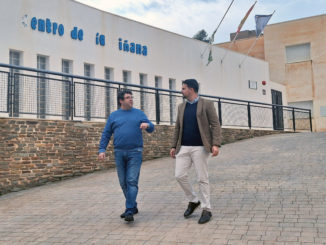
(76, 33)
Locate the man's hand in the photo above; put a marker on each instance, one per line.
(144, 126)
(101, 156)
(172, 152)
(215, 150)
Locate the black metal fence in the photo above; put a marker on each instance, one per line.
(27, 92)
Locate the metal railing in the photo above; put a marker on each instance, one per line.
(28, 92)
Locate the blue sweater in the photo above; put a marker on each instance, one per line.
(190, 134)
(125, 125)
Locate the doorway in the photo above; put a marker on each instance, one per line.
(278, 123)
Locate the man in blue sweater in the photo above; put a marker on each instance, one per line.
(126, 124)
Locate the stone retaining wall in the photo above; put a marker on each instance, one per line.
(33, 152)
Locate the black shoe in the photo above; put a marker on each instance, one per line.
(129, 217)
(123, 215)
(205, 217)
(191, 208)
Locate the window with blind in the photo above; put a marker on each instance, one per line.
(297, 53)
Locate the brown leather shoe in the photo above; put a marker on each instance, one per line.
(205, 217)
(191, 208)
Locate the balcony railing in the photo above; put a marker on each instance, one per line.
(28, 92)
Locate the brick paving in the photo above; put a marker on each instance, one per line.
(266, 190)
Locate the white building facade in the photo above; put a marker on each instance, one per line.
(70, 37)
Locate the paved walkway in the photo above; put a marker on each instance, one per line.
(267, 190)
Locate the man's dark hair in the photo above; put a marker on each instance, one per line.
(191, 83)
(121, 94)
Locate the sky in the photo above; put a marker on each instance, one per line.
(187, 17)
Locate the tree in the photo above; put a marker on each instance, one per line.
(201, 35)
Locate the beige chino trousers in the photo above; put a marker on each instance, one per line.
(198, 157)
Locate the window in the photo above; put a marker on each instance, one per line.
(172, 101)
(158, 82)
(42, 64)
(109, 92)
(297, 53)
(142, 79)
(172, 84)
(66, 68)
(322, 111)
(126, 76)
(303, 104)
(143, 82)
(108, 73)
(15, 58)
(252, 84)
(88, 72)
